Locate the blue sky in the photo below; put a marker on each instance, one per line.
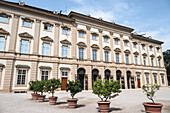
(150, 17)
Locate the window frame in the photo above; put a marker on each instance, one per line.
(152, 61)
(5, 41)
(8, 18)
(28, 45)
(47, 25)
(106, 56)
(116, 40)
(45, 70)
(117, 55)
(147, 78)
(49, 48)
(162, 79)
(94, 56)
(62, 53)
(106, 39)
(26, 77)
(144, 60)
(136, 60)
(127, 58)
(82, 53)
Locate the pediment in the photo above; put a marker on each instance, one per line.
(25, 35)
(27, 19)
(117, 50)
(116, 38)
(82, 44)
(65, 42)
(3, 31)
(134, 42)
(47, 23)
(152, 55)
(65, 27)
(94, 34)
(106, 36)
(47, 38)
(127, 51)
(144, 54)
(125, 40)
(159, 57)
(107, 48)
(136, 53)
(82, 31)
(95, 46)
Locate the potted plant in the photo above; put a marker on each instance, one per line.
(33, 87)
(40, 87)
(74, 87)
(50, 86)
(105, 91)
(150, 91)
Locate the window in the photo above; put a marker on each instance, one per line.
(81, 34)
(24, 46)
(26, 23)
(136, 60)
(94, 37)
(151, 48)
(64, 51)
(4, 19)
(143, 46)
(105, 39)
(106, 56)
(116, 41)
(162, 78)
(127, 58)
(117, 57)
(44, 75)
(81, 53)
(144, 61)
(158, 50)
(65, 31)
(152, 62)
(125, 43)
(159, 62)
(47, 27)
(94, 54)
(46, 49)
(64, 73)
(21, 77)
(155, 79)
(147, 79)
(2, 42)
(134, 45)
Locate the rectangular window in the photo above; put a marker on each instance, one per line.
(143, 46)
(136, 60)
(64, 73)
(64, 51)
(25, 23)
(106, 56)
(147, 79)
(155, 79)
(150, 48)
(134, 45)
(152, 62)
(162, 78)
(158, 50)
(65, 31)
(105, 39)
(125, 43)
(117, 57)
(46, 49)
(81, 53)
(44, 75)
(2, 42)
(21, 77)
(24, 46)
(94, 37)
(81, 34)
(47, 27)
(116, 41)
(94, 55)
(4, 19)
(159, 62)
(144, 61)
(127, 58)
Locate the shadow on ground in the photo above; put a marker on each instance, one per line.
(111, 109)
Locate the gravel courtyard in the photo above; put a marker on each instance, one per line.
(129, 101)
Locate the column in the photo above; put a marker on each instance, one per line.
(56, 39)
(14, 33)
(140, 53)
(55, 70)
(74, 41)
(151, 76)
(101, 44)
(101, 72)
(88, 42)
(34, 71)
(148, 56)
(122, 48)
(111, 47)
(36, 37)
(73, 72)
(142, 78)
(166, 79)
(156, 59)
(131, 50)
(159, 78)
(89, 73)
(125, 77)
(114, 74)
(162, 59)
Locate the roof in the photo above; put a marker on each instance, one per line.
(71, 14)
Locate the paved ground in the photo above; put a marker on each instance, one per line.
(129, 101)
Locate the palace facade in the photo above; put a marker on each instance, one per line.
(36, 44)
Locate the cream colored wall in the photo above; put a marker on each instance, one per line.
(2, 61)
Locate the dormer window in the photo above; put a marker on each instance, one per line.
(81, 34)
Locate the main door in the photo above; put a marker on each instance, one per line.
(64, 80)
(81, 76)
(138, 80)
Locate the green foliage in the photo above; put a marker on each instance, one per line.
(33, 86)
(73, 87)
(40, 86)
(166, 56)
(105, 89)
(52, 84)
(150, 90)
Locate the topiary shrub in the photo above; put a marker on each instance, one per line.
(150, 91)
(33, 86)
(74, 87)
(105, 89)
(41, 86)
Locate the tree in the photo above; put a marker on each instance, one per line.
(166, 56)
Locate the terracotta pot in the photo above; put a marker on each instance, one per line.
(152, 107)
(35, 96)
(72, 103)
(52, 100)
(104, 106)
(41, 98)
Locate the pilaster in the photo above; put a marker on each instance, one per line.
(101, 45)
(56, 39)
(74, 41)
(34, 71)
(122, 49)
(148, 56)
(140, 53)
(156, 59)
(55, 71)
(88, 42)
(112, 47)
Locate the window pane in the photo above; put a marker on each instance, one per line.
(81, 51)
(105, 39)
(106, 56)
(44, 75)
(24, 46)
(64, 51)
(21, 77)
(117, 57)
(3, 19)
(125, 43)
(162, 77)
(116, 41)
(81, 34)
(136, 60)
(65, 31)
(2, 41)
(46, 49)
(28, 24)
(94, 37)
(94, 54)
(127, 58)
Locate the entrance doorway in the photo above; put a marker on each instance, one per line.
(95, 73)
(138, 80)
(64, 81)
(128, 73)
(107, 74)
(81, 76)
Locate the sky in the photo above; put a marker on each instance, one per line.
(150, 17)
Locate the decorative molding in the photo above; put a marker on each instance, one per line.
(45, 67)
(5, 15)
(106, 36)
(65, 27)
(65, 42)
(116, 38)
(136, 53)
(82, 31)
(94, 33)
(117, 50)
(100, 30)
(159, 57)
(27, 19)
(152, 55)
(47, 38)
(65, 68)
(38, 21)
(16, 16)
(3, 31)
(107, 48)
(125, 40)
(74, 24)
(127, 51)
(2, 65)
(121, 35)
(134, 42)
(144, 54)
(88, 27)
(25, 35)
(47, 23)
(111, 33)
(95, 46)
(82, 44)
(22, 66)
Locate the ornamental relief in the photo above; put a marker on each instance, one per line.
(65, 42)
(95, 46)
(47, 38)
(81, 44)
